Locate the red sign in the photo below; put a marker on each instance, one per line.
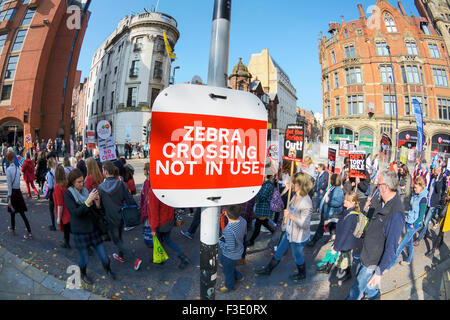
(294, 143)
(344, 146)
(357, 164)
(332, 160)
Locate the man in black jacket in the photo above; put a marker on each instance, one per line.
(321, 184)
(436, 194)
(381, 239)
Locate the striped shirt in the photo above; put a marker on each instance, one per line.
(234, 234)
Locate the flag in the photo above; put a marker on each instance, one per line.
(419, 120)
(168, 48)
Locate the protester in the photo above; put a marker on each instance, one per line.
(310, 170)
(444, 226)
(4, 155)
(85, 153)
(405, 180)
(262, 207)
(41, 170)
(50, 177)
(374, 168)
(436, 193)
(286, 178)
(380, 240)
(414, 219)
(232, 246)
(113, 195)
(29, 175)
(297, 226)
(362, 187)
(346, 183)
(162, 219)
(94, 176)
(62, 214)
(16, 203)
(67, 166)
(81, 165)
(147, 230)
(51, 152)
(128, 178)
(84, 208)
(321, 184)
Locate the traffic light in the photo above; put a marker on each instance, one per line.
(144, 130)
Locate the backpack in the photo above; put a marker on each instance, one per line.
(361, 224)
(276, 204)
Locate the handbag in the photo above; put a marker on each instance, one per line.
(159, 254)
(276, 204)
(131, 216)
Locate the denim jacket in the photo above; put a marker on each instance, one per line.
(335, 202)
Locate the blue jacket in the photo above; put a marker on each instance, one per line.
(322, 181)
(414, 216)
(335, 203)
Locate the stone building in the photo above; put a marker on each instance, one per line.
(360, 90)
(128, 71)
(438, 13)
(39, 52)
(77, 126)
(275, 81)
(240, 79)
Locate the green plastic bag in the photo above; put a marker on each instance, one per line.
(159, 255)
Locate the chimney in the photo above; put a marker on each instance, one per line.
(402, 10)
(361, 11)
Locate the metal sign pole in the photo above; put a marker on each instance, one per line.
(217, 77)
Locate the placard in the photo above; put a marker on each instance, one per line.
(294, 139)
(273, 150)
(332, 160)
(344, 147)
(403, 154)
(90, 139)
(103, 129)
(107, 149)
(357, 164)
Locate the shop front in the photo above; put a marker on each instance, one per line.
(366, 138)
(408, 139)
(338, 133)
(440, 143)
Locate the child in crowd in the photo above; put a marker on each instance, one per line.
(232, 245)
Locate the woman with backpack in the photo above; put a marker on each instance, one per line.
(262, 208)
(50, 178)
(16, 203)
(341, 253)
(62, 214)
(29, 175)
(413, 220)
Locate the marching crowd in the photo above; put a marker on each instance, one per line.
(89, 201)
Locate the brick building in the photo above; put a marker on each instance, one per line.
(77, 121)
(360, 90)
(38, 60)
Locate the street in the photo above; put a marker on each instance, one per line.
(421, 280)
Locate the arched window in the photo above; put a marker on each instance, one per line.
(390, 23)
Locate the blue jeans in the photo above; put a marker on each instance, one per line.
(165, 237)
(230, 272)
(84, 256)
(297, 250)
(430, 213)
(362, 277)
(406, 242)
(319, 198)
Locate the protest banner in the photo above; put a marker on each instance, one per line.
(294, 142)
(90, 139)
(332, 160)
(357, 164)
(344, 148)
(403, 154)
(106, 149)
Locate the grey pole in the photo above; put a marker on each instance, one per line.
(217, 77)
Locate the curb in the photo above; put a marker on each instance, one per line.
(48, 281)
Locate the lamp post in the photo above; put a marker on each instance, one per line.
(173, 75)
(396, 108)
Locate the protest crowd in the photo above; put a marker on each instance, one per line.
(388, 209)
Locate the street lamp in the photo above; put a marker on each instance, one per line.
(396, 108)
(173, 76)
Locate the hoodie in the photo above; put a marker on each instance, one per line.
(113, 195)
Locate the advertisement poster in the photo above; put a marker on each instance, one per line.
(294, 142)
(332, 160)
(357, 164)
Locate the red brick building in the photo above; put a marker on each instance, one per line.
(77, 126)
(39, 54)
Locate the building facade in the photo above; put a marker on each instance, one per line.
(275, 81)
(438, 13)
(38, 60)
(313, 130)
(240, 79)
(128, 71)
(77, 126)
(362, 95)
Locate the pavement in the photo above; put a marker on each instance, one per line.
(38, 268)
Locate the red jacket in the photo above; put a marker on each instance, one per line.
(28, 171)
(58, 199)
(158, 213)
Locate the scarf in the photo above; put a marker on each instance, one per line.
(80, 198)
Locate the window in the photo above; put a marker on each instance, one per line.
(132, 98)
(155, 93)
(92, 109)
(355, 104)
(6, 92)
(328, 106)
(346, 33)
(159, 45)
(7, 14)
(389, 105)
(333, 57)
(411, 47)
(413, 74)
(139, 44)
(440, 77)
(25, 1)
(328, 83)
(386, 74)
(103, 104)
(19, 40)
(96, 107)
(2, 41)
(350, 51)
(134, 71)
(104, 82)
(390, 23)
(115, 70)
(112, 100)
(11, 67)
(434, 50)
(28, 16)
(338, 106)
(157, 72)
(409, 110)
(425, 28)
(407, 106)
(382, 49)
(99, 84)
(444, 109)
(336, 80)
(353, 75)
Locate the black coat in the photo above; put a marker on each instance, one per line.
(345, 240)
(82, 166)
(82, 218)
(438, 192)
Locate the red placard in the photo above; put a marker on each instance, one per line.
(192, 151)
(357, 164)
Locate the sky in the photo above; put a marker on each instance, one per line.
(288, 28)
